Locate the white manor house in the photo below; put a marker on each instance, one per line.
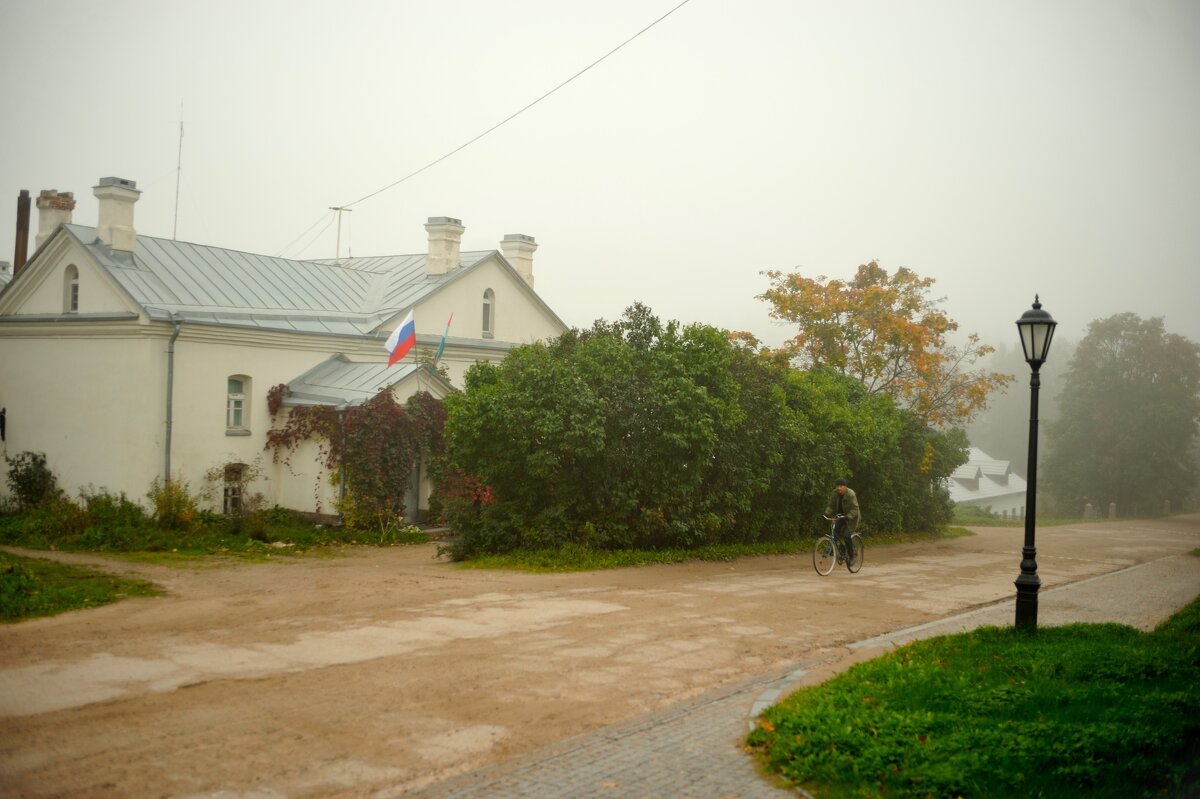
(126, 357)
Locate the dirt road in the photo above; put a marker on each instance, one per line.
(384, 670)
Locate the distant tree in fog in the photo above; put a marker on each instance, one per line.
(1002, 428)
(1128, 420)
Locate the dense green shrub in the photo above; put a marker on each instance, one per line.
(106, 511)
(626, 435)
(637, 434)
(102, 522)
(175, 507)
(31, 480)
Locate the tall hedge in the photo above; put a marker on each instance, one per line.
(643, 434)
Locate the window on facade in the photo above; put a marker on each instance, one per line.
(237, 407)
(71, 289)
(489, 313)
(235, 480)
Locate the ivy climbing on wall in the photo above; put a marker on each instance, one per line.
(372, 448)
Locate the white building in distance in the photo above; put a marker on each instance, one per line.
(987, 483)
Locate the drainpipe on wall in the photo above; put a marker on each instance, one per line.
(340, 410)
(170, 394)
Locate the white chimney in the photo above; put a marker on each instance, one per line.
(445, 239)
(115, 225)
(54, 209)
(518, 250)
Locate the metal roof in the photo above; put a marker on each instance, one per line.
(194, 282)
(983, 478)
(171, 280)
(340, 381)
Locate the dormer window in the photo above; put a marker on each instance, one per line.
(71, 289)
(489, 314)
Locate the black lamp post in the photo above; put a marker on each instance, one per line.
(1037, 328)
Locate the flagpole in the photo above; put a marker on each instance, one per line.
(442, 344)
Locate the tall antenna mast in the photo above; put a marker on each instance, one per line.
(178, 170)
(339, 210)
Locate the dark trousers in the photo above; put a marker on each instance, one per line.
(842, 530)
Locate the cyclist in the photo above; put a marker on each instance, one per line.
(843, 506)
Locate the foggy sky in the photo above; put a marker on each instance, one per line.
(1002, 148)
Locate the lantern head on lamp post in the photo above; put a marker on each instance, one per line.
(1037, 329)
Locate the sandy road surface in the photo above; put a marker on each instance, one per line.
(384, 670)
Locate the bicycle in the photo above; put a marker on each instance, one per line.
(829, 551)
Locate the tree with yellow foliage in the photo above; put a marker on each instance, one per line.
(884, 331)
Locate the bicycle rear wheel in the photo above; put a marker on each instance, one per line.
(859, 550)
(824, 555)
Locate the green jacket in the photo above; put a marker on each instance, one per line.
(846, 504)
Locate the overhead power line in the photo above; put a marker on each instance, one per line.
(287, 247)
(517, 113)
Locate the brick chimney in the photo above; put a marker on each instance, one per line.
(54, 209)
(445, 240)
(115, 224)
(21, 250)
(518, 250)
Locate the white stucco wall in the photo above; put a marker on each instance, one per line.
(203, 366)
(44, 290)
(95, 403)
(518, 319)
(80, 400)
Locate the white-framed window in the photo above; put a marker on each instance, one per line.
(235, 484)
(489, 313)
(71, 289)
(237, 405)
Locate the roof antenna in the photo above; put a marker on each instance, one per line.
(178, 170)
(339, 210)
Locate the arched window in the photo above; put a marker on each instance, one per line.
(489, 313)
(71, 289)
(237, 406)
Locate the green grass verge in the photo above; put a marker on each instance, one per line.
(271, 534)
(978, 517)
(204, 558)
(31, 587)
(1098, 710)
(575, 557)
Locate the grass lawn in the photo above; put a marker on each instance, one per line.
(977, 517)
(31, 587)
(1098, 710)
(573, 557)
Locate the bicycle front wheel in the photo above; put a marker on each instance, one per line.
(824, 555)
(859, 550)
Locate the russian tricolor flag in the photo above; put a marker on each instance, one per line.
(402, 339)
